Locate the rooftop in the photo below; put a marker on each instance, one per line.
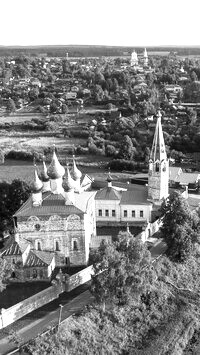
(39, 258)
(108, 193)
(138, 196)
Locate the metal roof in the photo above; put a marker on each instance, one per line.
(39, 258)
(188, 178)
(108, 193)
(51, 204)
(135, 197)
(12, 249)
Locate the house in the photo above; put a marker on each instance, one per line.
(180, 179)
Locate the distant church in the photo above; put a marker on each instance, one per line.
(135, 61)
(56, 225)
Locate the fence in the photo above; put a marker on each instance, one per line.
(63, 284)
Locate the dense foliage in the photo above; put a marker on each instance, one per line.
(180, 227)
(12, 196)
(158, 315)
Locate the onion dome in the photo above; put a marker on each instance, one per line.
(55, 169)
(68, 183)
(43, 175)
(75, 172)
(37, 184)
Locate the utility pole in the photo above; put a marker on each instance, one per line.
(60, 314)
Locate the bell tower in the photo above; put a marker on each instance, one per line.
(158, 179)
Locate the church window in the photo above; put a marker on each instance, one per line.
(41, 273)
(28, 274)
(37, 227)
(100, 213)
(39, 246)
(113, 213)
(157, 166)
(57, 246)
(34, 273)
(133, 214)
(107, 213)
(75, 245)
(141, 214)
(125, 213)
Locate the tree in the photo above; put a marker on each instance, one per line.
(127, 150)
(179, 228)
(12, 196)
(11, 106)
(5, 272)
(122, 271)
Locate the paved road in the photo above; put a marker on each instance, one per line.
(38, 326)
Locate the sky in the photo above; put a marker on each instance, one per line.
(100, 22)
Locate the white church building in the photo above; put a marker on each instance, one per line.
(56, 225)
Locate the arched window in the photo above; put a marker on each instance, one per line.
(75, 245)
(34, 273)
(39, 246)
(57, 246)
(157, 166)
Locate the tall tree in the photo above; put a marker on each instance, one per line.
(12, 196)
(122, 271)
(127, 150)
(179, 228)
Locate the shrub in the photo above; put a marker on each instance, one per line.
(23, 155)
(79, 133)
(121, 164)
(82, 150)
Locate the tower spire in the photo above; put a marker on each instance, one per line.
(158, 166)
(158, 151)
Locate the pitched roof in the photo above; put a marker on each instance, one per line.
(108, 193)
(39, 258)
(188, 178)
(12, 249)
(174, 172)
(138, 196)
(51, 204)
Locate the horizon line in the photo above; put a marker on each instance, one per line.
(102, 45)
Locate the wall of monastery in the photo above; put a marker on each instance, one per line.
(64, 284)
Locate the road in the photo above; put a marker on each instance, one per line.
(34, 328)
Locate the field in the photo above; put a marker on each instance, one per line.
(13, 169)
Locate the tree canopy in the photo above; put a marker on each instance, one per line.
(12, 196)
(179, 228)
(122, 269)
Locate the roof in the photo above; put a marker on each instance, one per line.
(188, 178)
(108, 193)
(82, 199)
(158, 151)
(135, 197)
(51, 204)
(174, 172)
(39, 258)
(12, 249)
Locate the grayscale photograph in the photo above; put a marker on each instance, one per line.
(99, 177)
